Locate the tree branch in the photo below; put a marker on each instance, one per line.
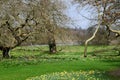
(19, 43)
(114, 31)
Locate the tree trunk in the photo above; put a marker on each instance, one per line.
(94, 34)
(5, 52)
(52, 46)
(91, 38)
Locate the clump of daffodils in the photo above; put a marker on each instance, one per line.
(79, 75)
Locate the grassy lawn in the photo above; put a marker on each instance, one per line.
(35, 61)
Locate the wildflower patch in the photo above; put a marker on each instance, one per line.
(79, 75)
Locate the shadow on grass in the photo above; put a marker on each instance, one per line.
(114, 74)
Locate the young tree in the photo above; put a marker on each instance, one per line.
(108, 16)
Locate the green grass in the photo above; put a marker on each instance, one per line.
(35, 61)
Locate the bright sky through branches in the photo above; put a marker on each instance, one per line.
(78, 15)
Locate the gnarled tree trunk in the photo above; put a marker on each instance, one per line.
(5, 51)
(52, 46)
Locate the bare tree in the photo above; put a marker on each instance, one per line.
(51, 16)
(108, 16)
(16, 24)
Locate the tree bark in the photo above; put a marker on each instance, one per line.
(5, 52)
(91, 38)
(94, 34)
(52, 46)
(114, 31)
